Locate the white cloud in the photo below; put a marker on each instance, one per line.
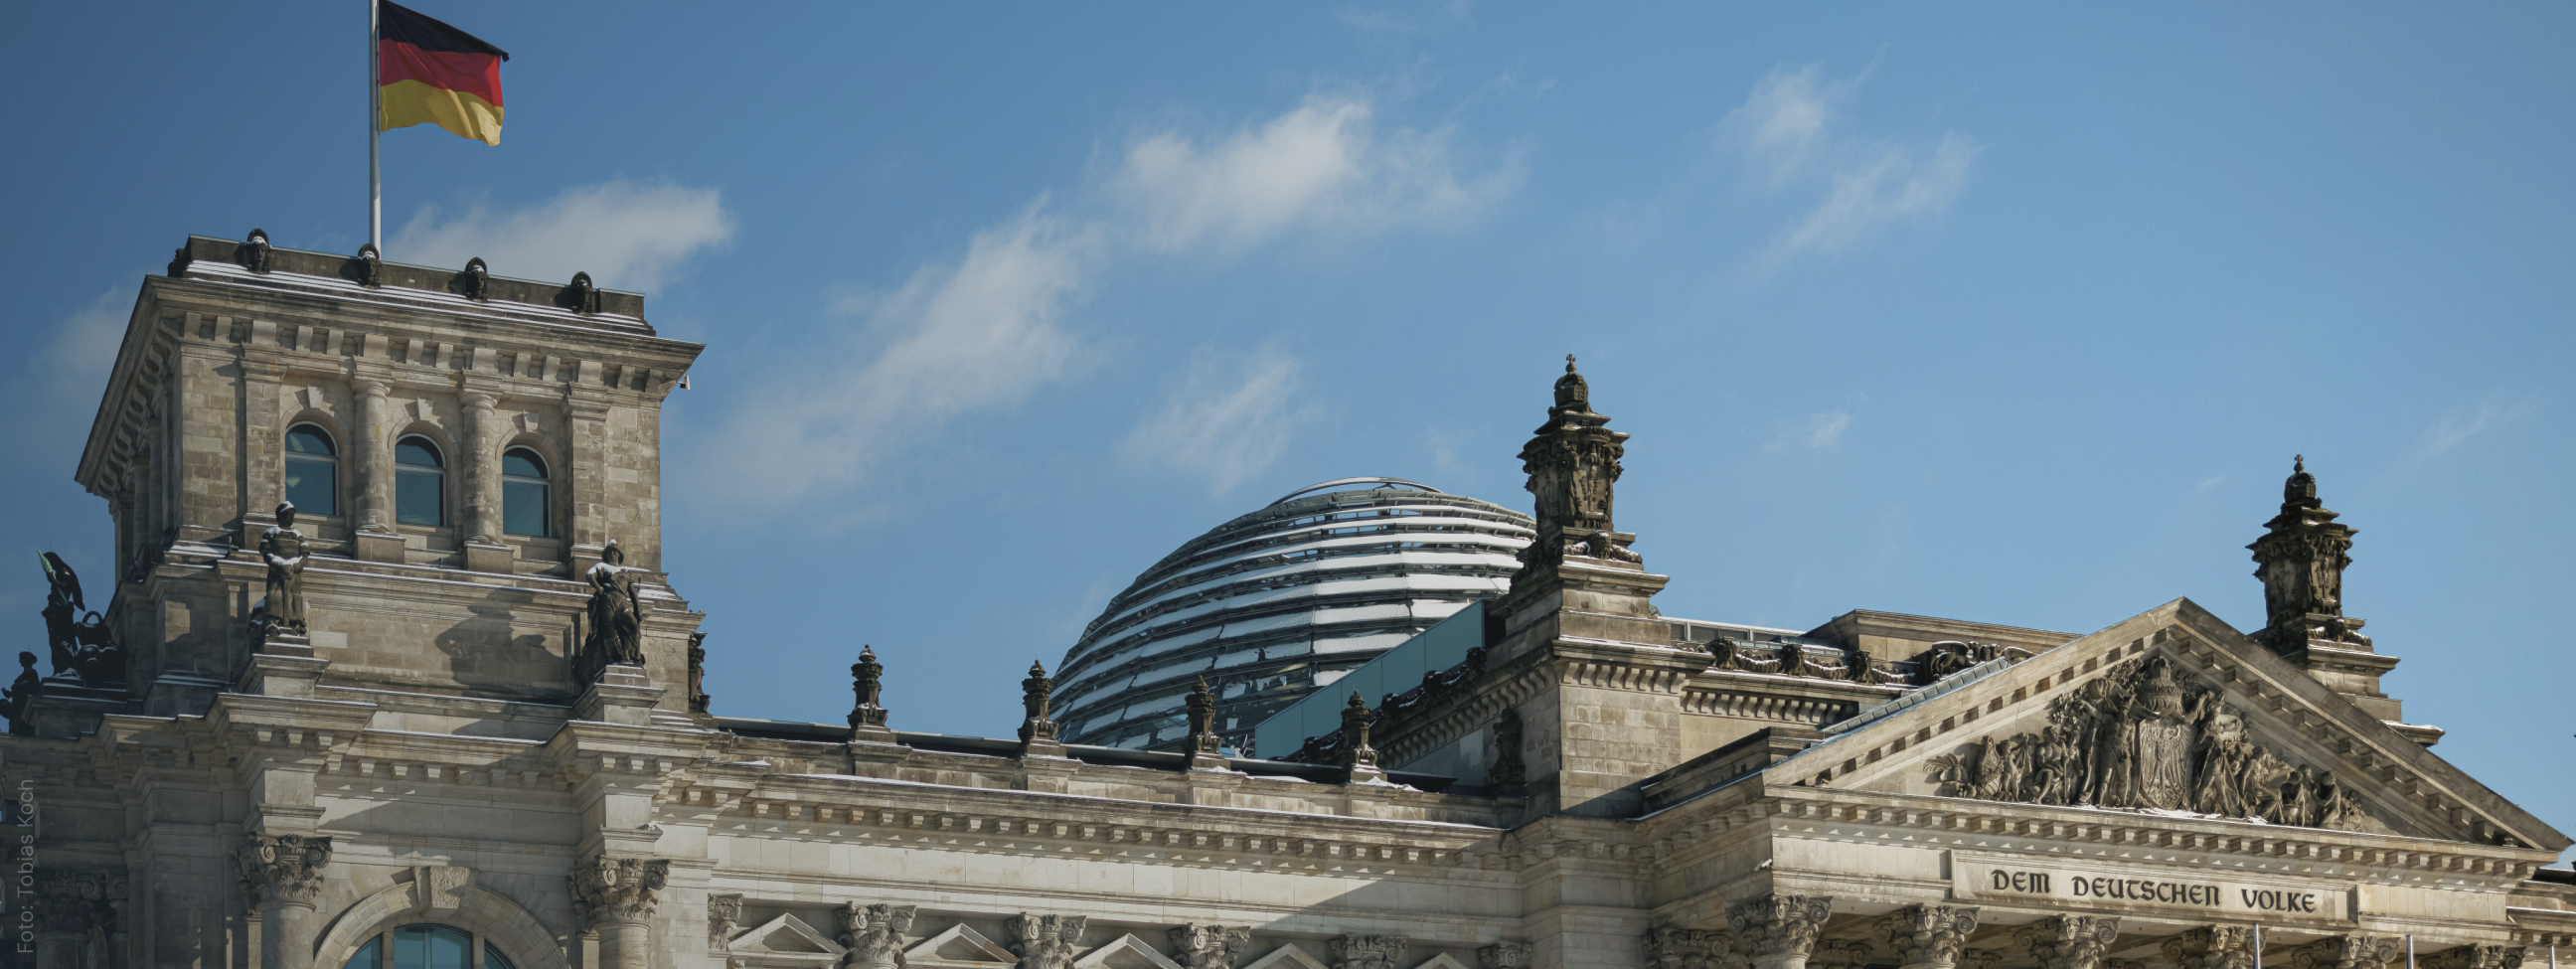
(1786, 128)
(2464, 423)
(1324, 164)
(980, 333)
(1820, 431)
(626, 234)
(1226, 419)
(56, 401)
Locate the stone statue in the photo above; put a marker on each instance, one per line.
(1206, 750)
(282, 547)
(13, 701)
(616, 608)
(698, 673)
(1355, 734)
(867, 716)
(83, 648)
(1508, 777)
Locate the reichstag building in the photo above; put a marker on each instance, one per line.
(390, 671)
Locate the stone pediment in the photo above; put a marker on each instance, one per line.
(1287, 956)
(960, 947)
(2171, 712)
(785, 940)
(1126, 952)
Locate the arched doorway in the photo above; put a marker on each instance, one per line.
(428, 947)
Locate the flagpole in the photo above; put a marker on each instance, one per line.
(375, 166)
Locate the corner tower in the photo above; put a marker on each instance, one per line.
(461, 449)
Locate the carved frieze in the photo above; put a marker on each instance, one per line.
(1370, 951)
(2139, 737)
(2346, 952)
(2068, 941)
(1926, 935)
(618, 890)
(873, 934)
(1198, 946)
(1774, 926)
(284, 869)
(1047, 941)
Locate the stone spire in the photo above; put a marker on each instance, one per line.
(2301, 562)
(1573, 462)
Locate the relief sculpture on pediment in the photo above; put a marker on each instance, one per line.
(2139, 737)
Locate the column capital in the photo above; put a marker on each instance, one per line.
(283, 869)
(1671, 947)
(2213, 947)
(1776, 927)
(873, 934)
(618, 891)
(2345, 952)
(2478, 956)
(1926, 935)
(2069, 941)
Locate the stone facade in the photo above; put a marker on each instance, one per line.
(1598, 786)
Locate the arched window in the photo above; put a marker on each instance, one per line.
(312, 471)
(420, 483)
(424, 947)
(526, 494)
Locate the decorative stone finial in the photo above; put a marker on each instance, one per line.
(1572, 462)
(2301, 558)
(867, 716)
(254, 251)
(476, 280)
(1037, 732)
(1356, 752)
(368, 266)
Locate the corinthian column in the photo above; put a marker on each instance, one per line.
(616, 897)
(1927, 936)
(283, 876)
(2069, 941)
(2213, 947)
(1779, 931)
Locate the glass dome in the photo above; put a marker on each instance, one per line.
(1276, 603)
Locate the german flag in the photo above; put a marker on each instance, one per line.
(430, 73)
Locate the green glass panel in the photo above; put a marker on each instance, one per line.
(368, 956)
(420, 498)
(521, 464)
(523, 508)
(310, 486)
(432, 947)
(417, 453)
(305, 440)
(493, 959)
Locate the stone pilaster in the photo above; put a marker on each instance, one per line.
(283, 876)
(1926, 936)
(2478, 956)
(616, 898)
(2346, 952)
(1779, 931)
(1047, 941)
(1197, 946)
(2068, 941)
(873, 934)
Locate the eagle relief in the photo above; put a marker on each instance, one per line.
(2136, 737)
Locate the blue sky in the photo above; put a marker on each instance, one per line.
(2013, 314)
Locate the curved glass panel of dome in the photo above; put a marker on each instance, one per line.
(1276, 603)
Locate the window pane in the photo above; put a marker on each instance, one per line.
(368, 956)
(523, 508)
(522, 464)
(493, 959)
(417, 498)
(309, 486)
(432, 947)
(305, 440)
(416, 452)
